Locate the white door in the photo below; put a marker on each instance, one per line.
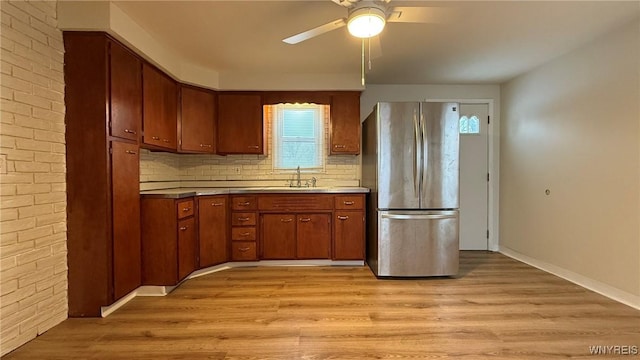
(474, 167)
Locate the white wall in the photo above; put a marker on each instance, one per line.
(572, 126)
(33, 240)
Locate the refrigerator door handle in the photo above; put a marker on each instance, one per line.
(417, 173)
(425, 151)
(418, 217)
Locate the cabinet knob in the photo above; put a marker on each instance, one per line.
(216, 204)
(343, 217)
(305, 219)
(286, 220)
(128, 131)
(130, 152)
(348, 202)
(155, 138)
(183, 228)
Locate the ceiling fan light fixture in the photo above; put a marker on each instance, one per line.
(366, 22)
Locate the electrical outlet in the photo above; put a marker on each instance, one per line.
(237, 169)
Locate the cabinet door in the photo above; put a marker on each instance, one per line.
(313, 236)
(278, 236)
(187, 247)
(196, 121)
(213, 230)
(126, 218)
(126, 93)
(159, 108)
(240, 125)
(348, 238)
(345, 124)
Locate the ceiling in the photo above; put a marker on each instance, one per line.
(474, 42)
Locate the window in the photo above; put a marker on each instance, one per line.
(469, 125)
(298, 137)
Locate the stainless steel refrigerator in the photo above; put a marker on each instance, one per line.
(410, 163)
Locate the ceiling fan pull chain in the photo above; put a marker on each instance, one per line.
(369, 54)
(362, 67)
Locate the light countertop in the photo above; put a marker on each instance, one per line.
(178, 193)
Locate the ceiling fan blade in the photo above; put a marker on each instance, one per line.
(335, 24)
(430, 15)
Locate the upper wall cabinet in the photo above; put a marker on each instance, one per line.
(197, 116)
(240, 127)
(160, 110)
(126, 93)
(345, 124)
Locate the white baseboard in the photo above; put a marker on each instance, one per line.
(164, 290)
(588, 283)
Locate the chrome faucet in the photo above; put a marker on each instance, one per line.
(298, 182)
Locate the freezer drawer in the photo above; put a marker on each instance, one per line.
(417, 243)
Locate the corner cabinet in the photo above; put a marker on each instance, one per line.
(197, 118)
(345, 124)
(103, 98)
(240, 128)
(160, 109)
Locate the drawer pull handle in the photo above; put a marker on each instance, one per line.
(205, 145)
(187, 209)
(339, 146)
(130, 131)
(286, 220)
(246, 203)
(243, 219)
(244, 249)
(245, 234)
(348, 202)
(216, 204)
(305, 219)
(155, 137)
(130, 152)
(343, 217)
(165, 140)
(183, 228)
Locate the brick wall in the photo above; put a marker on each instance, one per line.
(157, 166)
(33, 278)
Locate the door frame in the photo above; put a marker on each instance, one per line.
(493, 195)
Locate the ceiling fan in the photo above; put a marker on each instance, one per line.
(367, 19)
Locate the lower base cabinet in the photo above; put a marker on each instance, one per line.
(169, 240)
(348, 235)
(213, 230)
(296, 236)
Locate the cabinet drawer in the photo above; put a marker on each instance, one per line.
(244, 203)
(243, 219)
(243, 251)
(349, 202)
(295, 202)
(243, 233)
(185, 208)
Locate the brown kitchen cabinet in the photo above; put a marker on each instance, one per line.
(313, 236)
(348, 230)
(103, 116)
(243, 228)
(197, 117)
(345, 124)
(213, 230)
(169, 240)
(278, 236)
(240, 128)
(160, 109)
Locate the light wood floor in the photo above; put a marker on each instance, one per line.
(497, 308)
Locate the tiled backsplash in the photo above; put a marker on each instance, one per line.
(189, 168)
